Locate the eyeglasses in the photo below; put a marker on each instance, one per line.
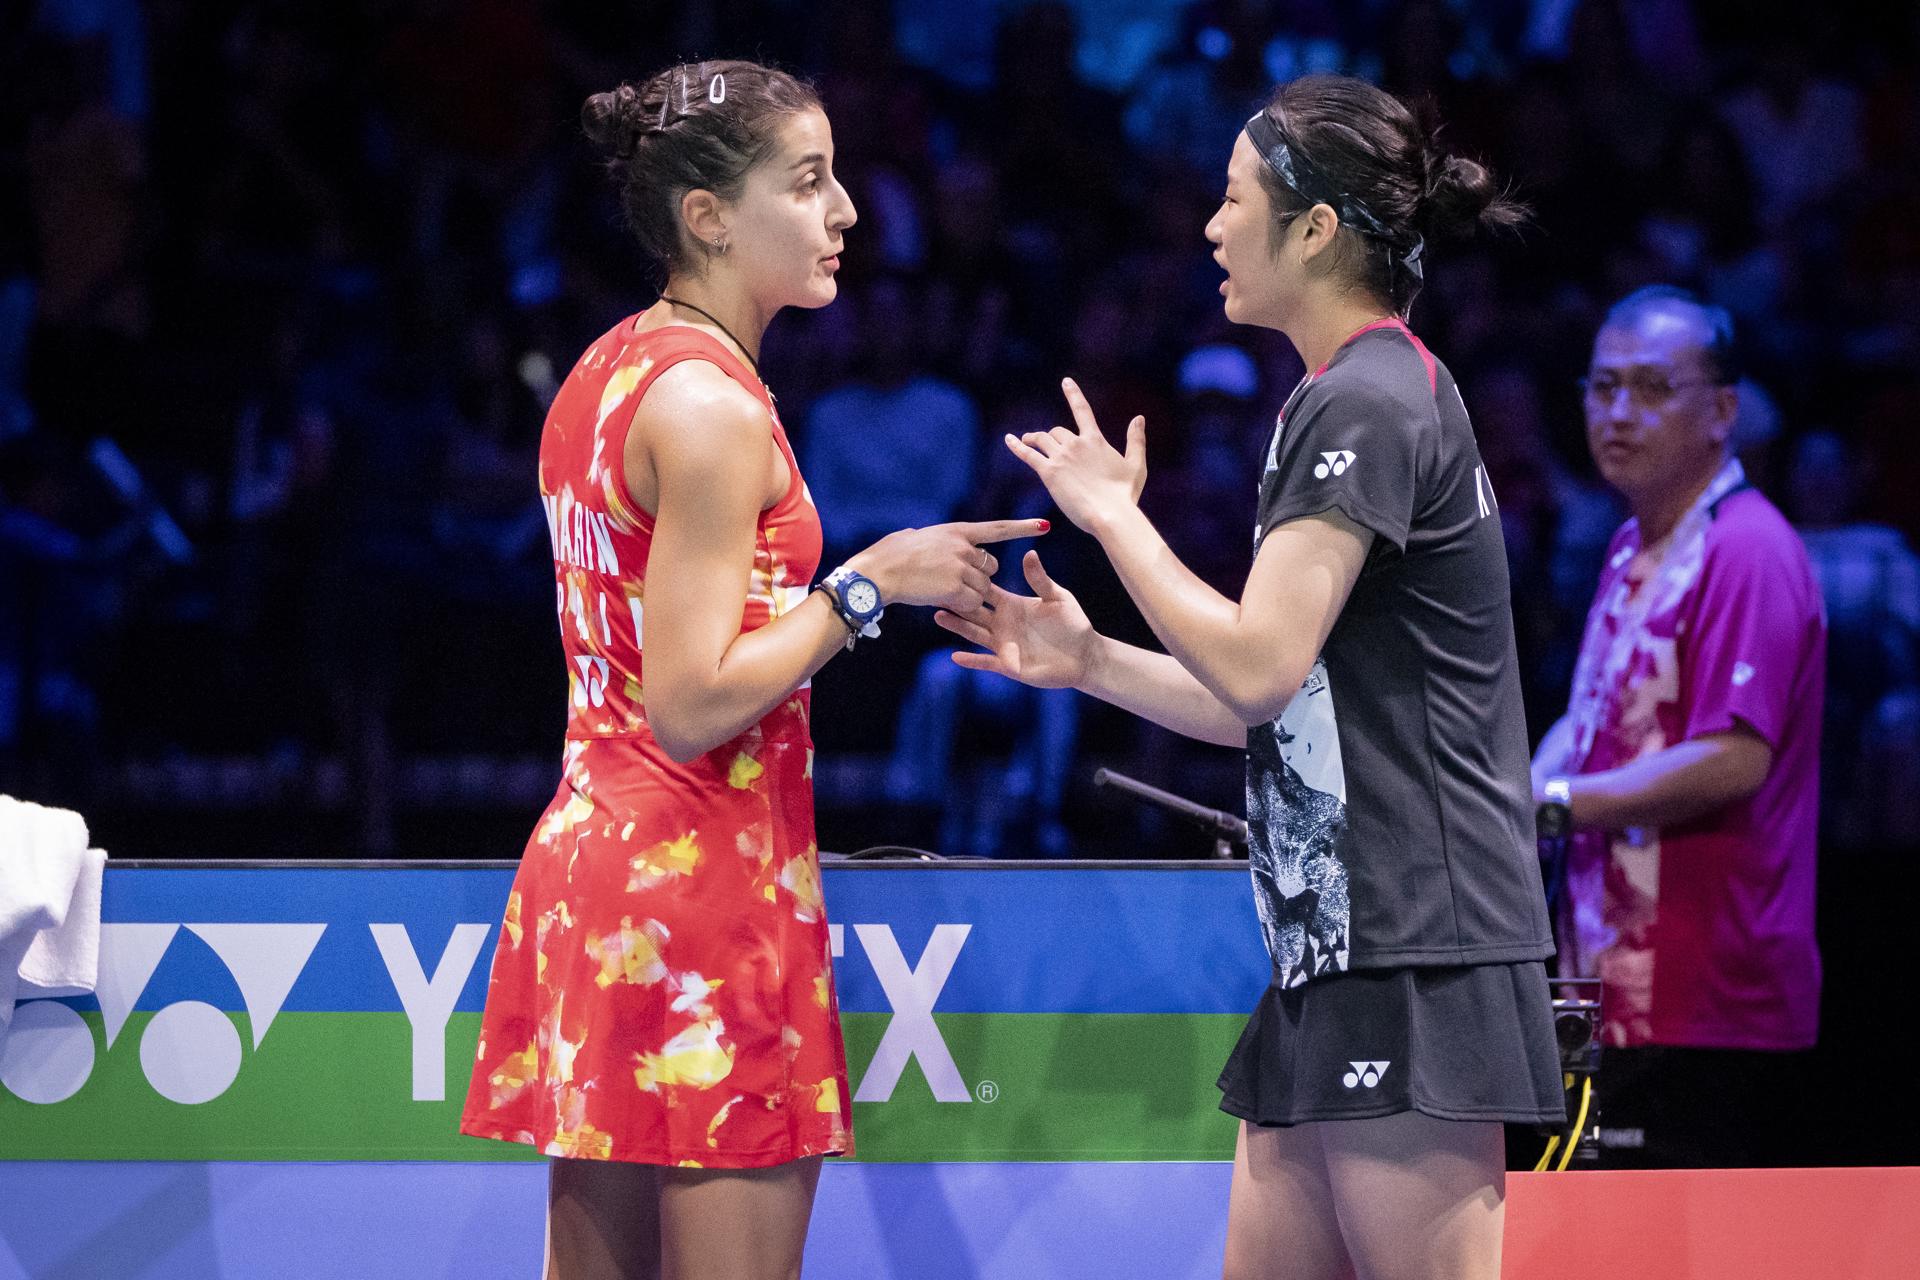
(1645, 390)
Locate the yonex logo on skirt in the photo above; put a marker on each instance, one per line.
(1364, 1074)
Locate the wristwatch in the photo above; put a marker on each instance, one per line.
(857, 600)
(1554, 817)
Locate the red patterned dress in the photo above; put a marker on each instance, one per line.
(662, 990)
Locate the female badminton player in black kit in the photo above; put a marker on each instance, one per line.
(1368, 668)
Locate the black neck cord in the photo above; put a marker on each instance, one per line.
(722, 328)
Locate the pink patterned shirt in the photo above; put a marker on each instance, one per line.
(1703, 932)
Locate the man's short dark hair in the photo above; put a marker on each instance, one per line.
(1718, 351)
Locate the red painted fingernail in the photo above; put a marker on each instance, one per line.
(1045, 525)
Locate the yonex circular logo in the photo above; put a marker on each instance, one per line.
(48, 1054)
(190, 1051)
(1364, 1075)
(1333, 464)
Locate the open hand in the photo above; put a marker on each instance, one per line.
(1043, 639)
(1088, 478)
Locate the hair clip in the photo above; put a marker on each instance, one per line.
(717, 89)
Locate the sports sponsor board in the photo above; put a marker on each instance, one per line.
(992, 1012)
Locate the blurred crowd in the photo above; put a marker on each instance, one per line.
(285, 288)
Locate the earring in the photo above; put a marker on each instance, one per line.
(720, 246)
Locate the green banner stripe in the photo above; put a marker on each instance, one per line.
(338, 1086)
(322, 1086)
(1120, 1086)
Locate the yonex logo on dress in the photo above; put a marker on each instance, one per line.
(1364, 1074)
(1336, 464)
(591, 688)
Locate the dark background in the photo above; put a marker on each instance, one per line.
(314, 270)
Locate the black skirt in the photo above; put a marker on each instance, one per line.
(1468, 1043)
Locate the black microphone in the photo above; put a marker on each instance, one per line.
(1227, 829)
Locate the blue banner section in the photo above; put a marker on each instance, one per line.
(1008, 939)
(1061, 940)
(192, 1221)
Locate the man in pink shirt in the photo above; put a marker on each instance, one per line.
(1688, 762)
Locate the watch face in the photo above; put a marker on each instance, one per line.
(863, 597)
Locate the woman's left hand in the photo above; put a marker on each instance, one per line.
(1088, 478)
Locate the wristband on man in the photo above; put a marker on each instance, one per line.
(1554, 817)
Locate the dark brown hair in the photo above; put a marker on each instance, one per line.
(700, 126)
(1364, 144)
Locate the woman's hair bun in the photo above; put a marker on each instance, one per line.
(1462, 196)
(611, 121)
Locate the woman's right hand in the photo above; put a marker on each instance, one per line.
(946, 565)
(1043, 639)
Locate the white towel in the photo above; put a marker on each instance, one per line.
(64, 960)
(49, 905)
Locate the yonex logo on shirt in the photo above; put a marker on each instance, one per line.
(1336, 464)
(1364, 1074)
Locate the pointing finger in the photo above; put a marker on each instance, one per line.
(982, 532)
(1082, 411)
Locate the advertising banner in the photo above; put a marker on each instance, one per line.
(993, 1012)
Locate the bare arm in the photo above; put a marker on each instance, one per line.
(710, 448)
(1253, 655)
(1551, 758)
(1681, 782)
(712, 451)
(1156, 687)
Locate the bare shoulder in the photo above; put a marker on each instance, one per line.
(700, 429)
(694, 409)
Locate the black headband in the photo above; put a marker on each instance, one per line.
(1300, 178)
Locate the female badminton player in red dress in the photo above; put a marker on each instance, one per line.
(661, 1016)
